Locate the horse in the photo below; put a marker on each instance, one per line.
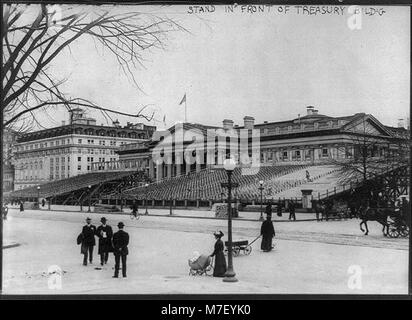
(374, 214)
(322, 209)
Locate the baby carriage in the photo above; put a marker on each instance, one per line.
(201, 265)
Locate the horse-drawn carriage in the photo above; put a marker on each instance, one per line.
(394, 222)
(398, 226)
(326, 211)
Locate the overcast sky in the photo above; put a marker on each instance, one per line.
(269, 65)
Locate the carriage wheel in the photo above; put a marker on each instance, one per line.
(248, 250)
(236, 251)
(393, 232)
(192, 272)
(225, 251)
(404, 231)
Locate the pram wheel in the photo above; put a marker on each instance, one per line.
(209, 270)
(236, 251)
(247, 250)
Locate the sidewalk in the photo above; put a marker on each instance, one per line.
(188, 213)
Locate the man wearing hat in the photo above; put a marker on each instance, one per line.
(120, 250)
(105, 234)
(88, 241)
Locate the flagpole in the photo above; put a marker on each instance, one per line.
(185, 109)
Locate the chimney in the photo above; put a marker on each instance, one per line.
(63, 123)
(309, 110)
(400, 123)
(249, 122)
(227, 124)
(314, 111)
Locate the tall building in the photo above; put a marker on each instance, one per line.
(310, 139)
(69, 150)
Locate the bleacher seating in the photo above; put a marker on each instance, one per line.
(70, 184)
(206, 184)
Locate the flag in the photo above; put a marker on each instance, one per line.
(164, 119)
(183, 100)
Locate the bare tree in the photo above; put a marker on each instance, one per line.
(374, 157)
(32, 41)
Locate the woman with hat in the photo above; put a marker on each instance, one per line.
(105, 234)
(220, 261)
(267, 231)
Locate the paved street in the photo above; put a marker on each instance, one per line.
(310, 256)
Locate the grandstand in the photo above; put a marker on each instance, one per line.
(78, 183)
(198, 188)
(279, 181)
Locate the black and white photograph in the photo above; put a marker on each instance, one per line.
(205, 149)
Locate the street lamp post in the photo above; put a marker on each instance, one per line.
(38, 197)
(261, 199)
(121, 200)
(145, 200)
(90, 188)
(229, 165)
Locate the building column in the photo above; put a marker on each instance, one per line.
(169, 171)
(265, 156)
(159, 172)
(197, 166)
(178, 167)
(151, 169)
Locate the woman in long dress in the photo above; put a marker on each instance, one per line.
(268, 232)
(220, 261)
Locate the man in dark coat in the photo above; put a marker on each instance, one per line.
(21, 206)
(292, 210)
(88, 241)
(105, 234)
(135, 208)
(120, 250)
(43, 202)
(279, 209)
(268, 232)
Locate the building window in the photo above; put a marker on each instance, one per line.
(79, 158)
(285, 155)
(79, 168)
(325, 152)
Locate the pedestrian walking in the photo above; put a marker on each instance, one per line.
(43, 203)
(292, 211)
(120, 250)
(21, 206)
(105, 234)
(220, 261)
(88, 241)
(4, 211)
(279, 209)
(135, 208)
(268, 232)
